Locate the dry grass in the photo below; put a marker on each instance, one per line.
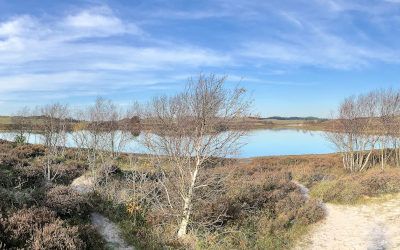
(328, 181)
(262, 208)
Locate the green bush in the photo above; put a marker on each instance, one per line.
(19, 139)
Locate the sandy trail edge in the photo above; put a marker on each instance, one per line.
(368, 226)
(106, 228)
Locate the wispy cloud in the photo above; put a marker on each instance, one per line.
(83, 50)
(323, 50)
(98, 21)
(69, 52)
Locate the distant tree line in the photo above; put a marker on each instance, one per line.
(293, 118)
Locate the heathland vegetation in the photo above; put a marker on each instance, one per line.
(186, 192)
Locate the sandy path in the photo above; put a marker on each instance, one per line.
(107, 229)
(369, 226)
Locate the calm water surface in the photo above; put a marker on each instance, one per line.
(257, 143)
(285, 142)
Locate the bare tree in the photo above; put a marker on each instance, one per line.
(102, 135)
(352, 135)
(189, 131)
(389, 105)
(389, 114)
(366, 123)
(54, 124)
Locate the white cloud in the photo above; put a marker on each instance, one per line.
(99, 21)
(54, 60)
(59, 46)
(17, 26)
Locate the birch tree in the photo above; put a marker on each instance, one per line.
(389, 110)
(102, 135)
(189, 131)
(54, 126)
(352, 136)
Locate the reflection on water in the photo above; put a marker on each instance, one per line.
(257, 143)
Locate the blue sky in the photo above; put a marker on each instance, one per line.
(295, 57)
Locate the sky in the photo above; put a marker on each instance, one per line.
(295, 58)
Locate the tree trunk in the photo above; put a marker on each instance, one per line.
(187, 208)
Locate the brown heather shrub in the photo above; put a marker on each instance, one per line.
(12, 198)
(6, 200)
(311, 212)
(92, 239)
(262, 209)
(3, 226)
(67, 172)
(23, 223)
(5, 146)
(8, 177)
(28, 151)
(57, 236)
(376, 181)
(66, 202)
(30, 176)
(13, 161)
(307, 169)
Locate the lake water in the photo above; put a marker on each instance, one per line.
(285, 142)
(257, 143)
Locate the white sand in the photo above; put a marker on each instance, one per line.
(106, 228)
(369, 226)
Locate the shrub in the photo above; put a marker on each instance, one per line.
(5, 146)
(11, 198)
(28, 151)
(376, 182)
(3, 236)
(92, 239)
(66, 202)
(23, 223)
(340, 191)
(8, 177)
(57, 236)
(19, 139)
(67, 172)
(312, 212)
(262, 209)
(30, 176)
(13, 161)
(6, 200)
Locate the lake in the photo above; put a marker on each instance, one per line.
(264, 142)
(269, 142)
